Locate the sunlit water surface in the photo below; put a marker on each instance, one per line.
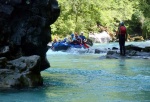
(84, 77)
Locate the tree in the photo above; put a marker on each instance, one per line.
(82, 15)
(144, 7)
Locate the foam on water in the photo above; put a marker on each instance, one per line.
(78, 76)
(103, 47)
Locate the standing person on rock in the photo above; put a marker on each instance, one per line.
(122, 35)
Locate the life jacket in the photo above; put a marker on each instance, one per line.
(122, 30)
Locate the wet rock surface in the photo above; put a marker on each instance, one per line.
(25, 31)
(132, 52)
(19, 73)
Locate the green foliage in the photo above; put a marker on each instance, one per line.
(146, 28)
(144, 7)
(82, 15)
(136, 22)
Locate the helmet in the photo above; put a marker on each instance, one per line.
(72, 35)
(122, 23)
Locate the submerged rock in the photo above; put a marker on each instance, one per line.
(132, 52)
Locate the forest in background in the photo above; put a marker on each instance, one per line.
(84, 15)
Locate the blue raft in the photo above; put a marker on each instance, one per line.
(65, 46)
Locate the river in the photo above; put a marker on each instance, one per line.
(77, 76)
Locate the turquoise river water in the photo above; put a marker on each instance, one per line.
(77, 76)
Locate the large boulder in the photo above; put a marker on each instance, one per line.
(102, 37)
(21, 72)
(133, 47)
(25, 28)
(25, 31)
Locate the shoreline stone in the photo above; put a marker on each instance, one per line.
(21, 72)
(132, 52)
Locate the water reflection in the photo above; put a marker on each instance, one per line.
(122, 62)
(86, 78)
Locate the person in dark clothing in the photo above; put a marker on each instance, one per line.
(82, 36)
(122, 35)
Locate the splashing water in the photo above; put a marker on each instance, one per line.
(84, 77)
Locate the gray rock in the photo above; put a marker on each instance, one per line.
(25, 28)
(111, 52)
(147, 49)
(132, 52)
(22, 72)
(133, 47)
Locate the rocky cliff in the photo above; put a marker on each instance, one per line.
(25, 30)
